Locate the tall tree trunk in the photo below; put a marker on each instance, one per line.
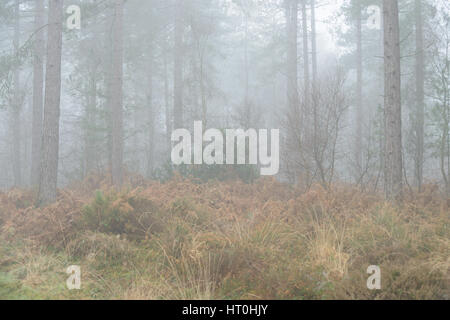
(166, 98)
(90, 156)
(17, 104)
(117, 96)
(292, 52)
(178, 66)
(50, 137)
(247, 106)
(313, 45)
(307, 83)
(392, 102)
(314, 97)
(108, 83)
(295, 117)
(203, 94)
(151, 117)
(38, 86)
(309, 131)
(359, 88)
(380, 115)
(420, 98)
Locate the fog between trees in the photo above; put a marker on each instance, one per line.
(355, 102)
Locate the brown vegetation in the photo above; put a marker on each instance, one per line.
(265, 240)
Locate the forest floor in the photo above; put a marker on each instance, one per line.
(223, 240)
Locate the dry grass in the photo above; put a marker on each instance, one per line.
(229, 240)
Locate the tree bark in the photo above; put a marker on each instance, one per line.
(90, 125)
(151, 116)
(307, 83)
(359, 88)
(17, 104)
(166, 98)
(178, 66)
(292, 52)
(420, 97)
(38, 86)
(308, 123)
(314, 97)
(392, 102)
(247, 106)
(117, 96)
(50, 140)
(313, 45)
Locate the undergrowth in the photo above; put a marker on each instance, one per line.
(223, 240)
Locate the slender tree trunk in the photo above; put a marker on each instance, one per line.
(444, 151)
(203, 95)
(50, 140)
(151, 117)
(117, 96)
(17, 104)
(178, 66)
(359, 88)
(292, 53)
(38, 86)
(309, 131)
(247, 106)
(314, 98)
(166, 99)
(295, 116)
(392, 102)
(195, 86)
(420, 97)
(307, 83)
(380, 115)
(313, 45)
(109, 95)
(90, 156)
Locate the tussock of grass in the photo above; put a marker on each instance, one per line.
(228, 240)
